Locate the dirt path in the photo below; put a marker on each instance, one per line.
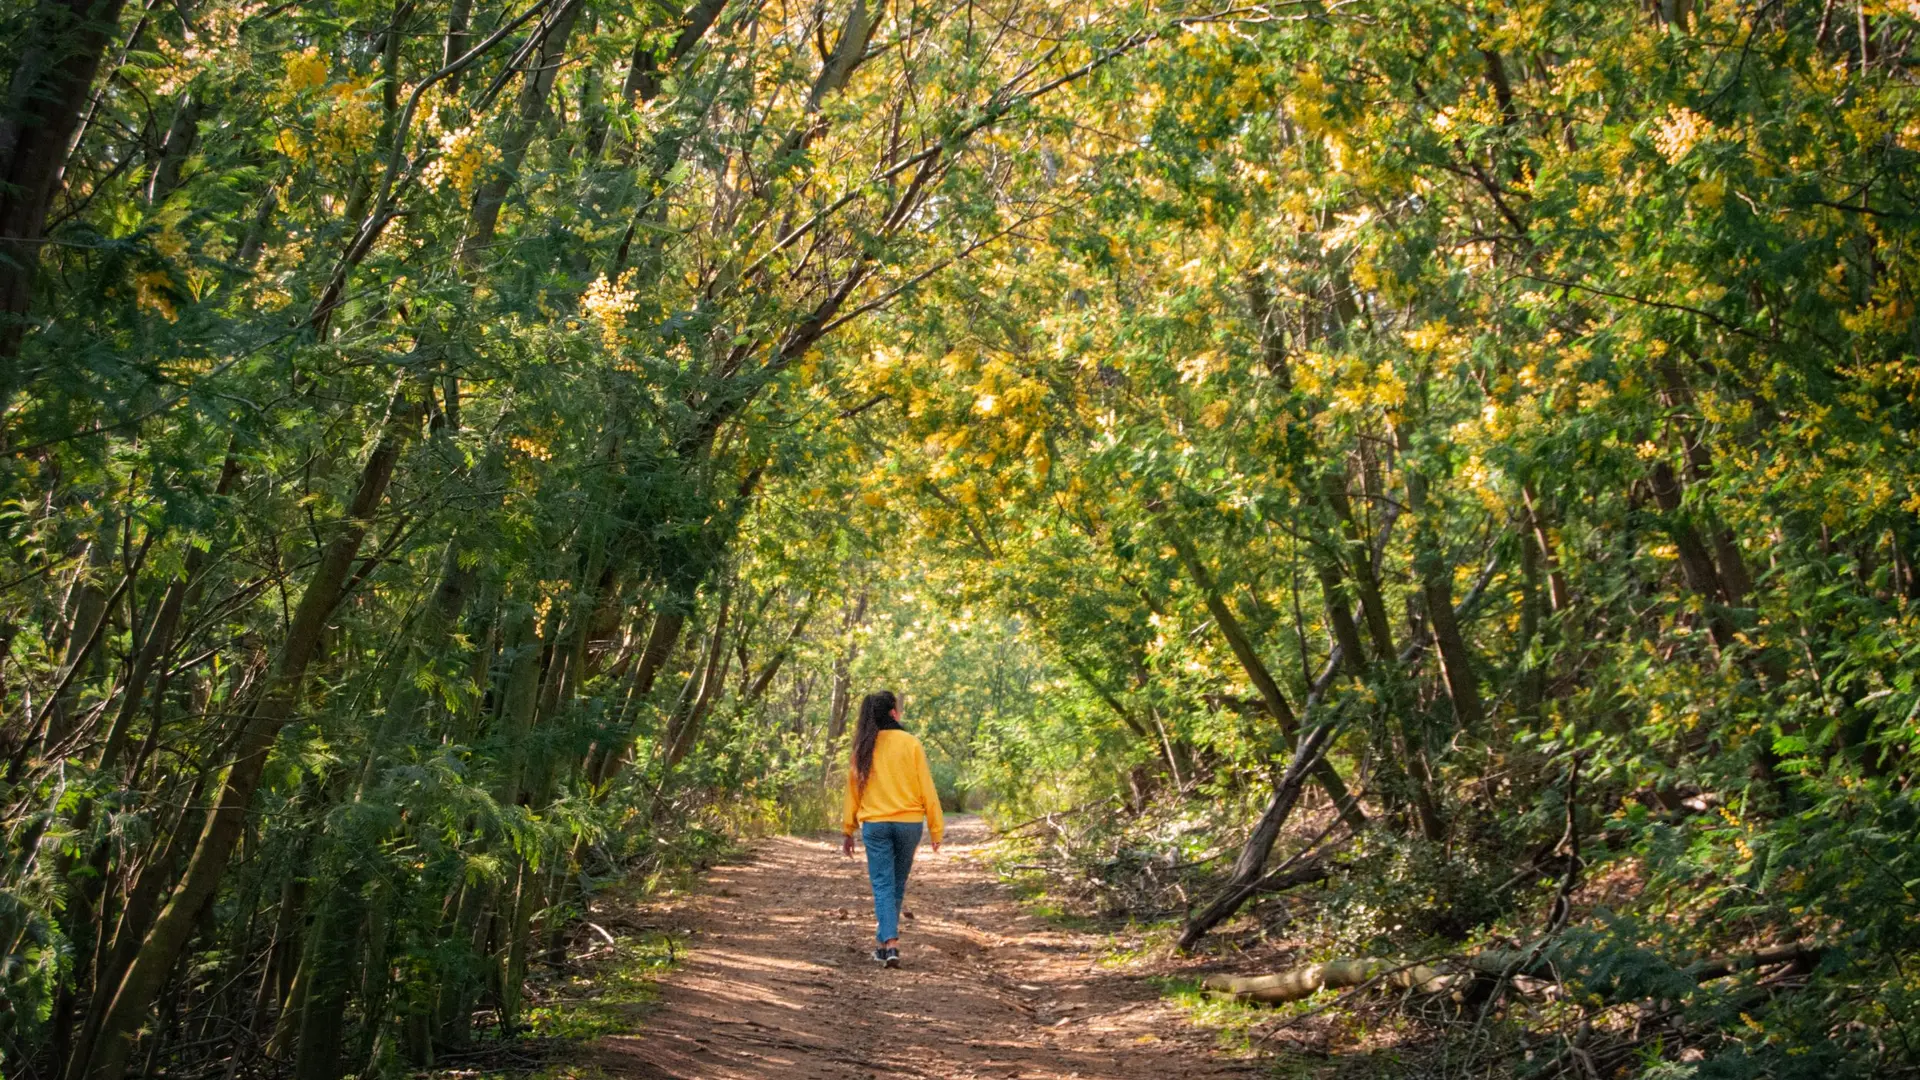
(778, 985)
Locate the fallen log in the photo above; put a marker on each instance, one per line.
(1303, 982)
(1489, 965)
(1540, 962)
(1797, 952)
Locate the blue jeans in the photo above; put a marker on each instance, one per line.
(890, 847)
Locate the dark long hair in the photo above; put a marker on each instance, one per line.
(874, 708)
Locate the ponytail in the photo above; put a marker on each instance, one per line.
(875, 709)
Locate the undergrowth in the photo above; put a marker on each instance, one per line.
(607, 981)
(1599, 996)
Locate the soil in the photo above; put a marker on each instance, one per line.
(778, 983)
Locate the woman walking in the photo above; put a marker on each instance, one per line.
(889, 794)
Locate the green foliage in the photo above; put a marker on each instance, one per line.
(1234, 1022)
(612, 997)
(1091, 382)
(1405, 895)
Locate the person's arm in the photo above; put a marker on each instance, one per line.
(850, 821)
(930, 799)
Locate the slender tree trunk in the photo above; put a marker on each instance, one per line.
(55, 65)
(1346, 633)
(443, 609)
(1558, 597)
(284, 950)
(841, 700)
(1456, 663)
(1359, 561)
(178, 145)
(1436, 589)
(331, 958)
(376, 988)
(683, 727)
(1696, 559)
(513, 973)
(114, 952)
(519, 695)
(661, 639)
(159, 637)
(86, 618)
(532, 108)
(757, 688)
(1250, 867)
(1323, 773)
(646, 68)
(453, 1016)
(1132, 722)
(455, 43)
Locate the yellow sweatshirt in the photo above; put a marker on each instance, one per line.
(900, 787)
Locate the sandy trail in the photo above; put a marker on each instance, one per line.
(778, 985)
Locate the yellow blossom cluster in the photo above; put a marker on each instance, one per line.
(459, 159)
(345, 116)
(305, 70)
(1739, 840)
(550, 591)
(151, 289)
(533, 448)
(1195, 368)
(1679, 132)
(609, 303)
(184, 62)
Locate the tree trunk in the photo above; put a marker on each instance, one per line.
(519, 694)
(327, 970)
(758, 687)
(86, 619)
(56, 63)
(1246, 879)
(1696, 561)
(1276, 703)
(514, 970)
(453, 1009)
(1436, 589)
(1558, 596)
(653, 657)
(182, 133)
(684, 725)
(454, 45)
(1248, 868)
(159, 637)
(1456, 662)
(1373, 606)
(376, 988)
(436, 623)
(1304, 982)
(1346, 632)
(114, 952)
(492, 193)
(644, 70)
(841, 700)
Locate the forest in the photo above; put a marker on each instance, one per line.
(1441, 472)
